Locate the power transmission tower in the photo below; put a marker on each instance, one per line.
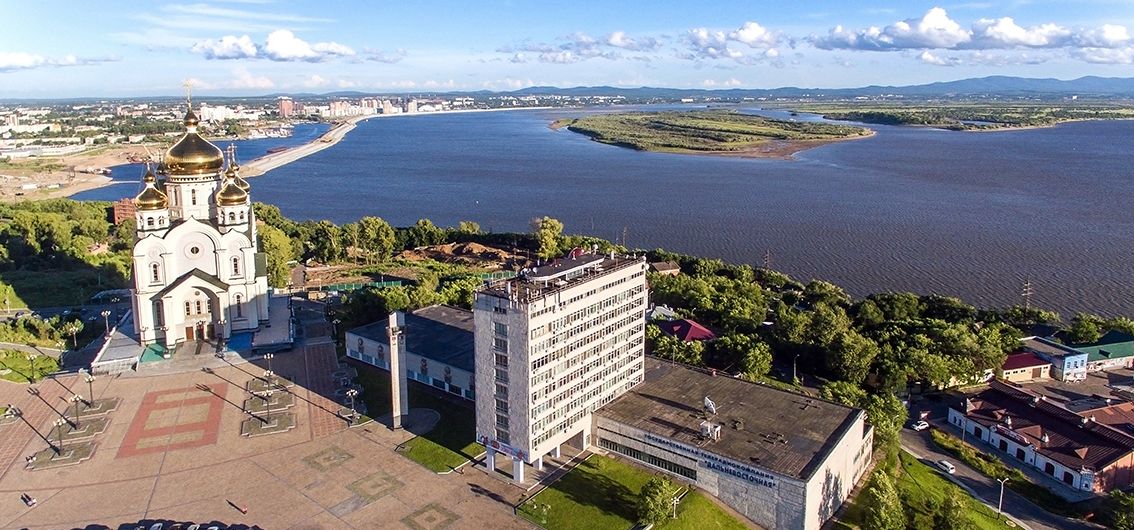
(1027, 293)
(768, 260)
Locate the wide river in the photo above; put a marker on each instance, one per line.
(968, 214)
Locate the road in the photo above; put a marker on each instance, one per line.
(919, 444)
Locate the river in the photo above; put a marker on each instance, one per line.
(973, 215)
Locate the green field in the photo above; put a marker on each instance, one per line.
(17, 368)
(450, 444)
(969, 116)
(602, 492)
(923, 487)
(700, 131)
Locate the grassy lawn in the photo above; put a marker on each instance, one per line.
(920, 485)
(450, 444)
(602, 493)
(54, 287)
(1018, 481)
(20, 367)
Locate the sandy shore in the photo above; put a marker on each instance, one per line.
(71, 179)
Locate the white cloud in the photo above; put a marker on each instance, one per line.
(450, 84)
(619, 39)
(384, 56)
(315, 81)
(227, 47)
(933, 30)
(731, 82)
(345, 83)
(705, 43)
(507, 84)
(937, 60)
(1005, 33)
(12, 61)
(754, 35)
(281, 45)
(1106, 55)
(560, 57)
(244, 80)
(1105, 36)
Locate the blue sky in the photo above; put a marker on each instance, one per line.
(65, 49)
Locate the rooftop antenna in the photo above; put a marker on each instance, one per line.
(710, 406)
(1027, 293)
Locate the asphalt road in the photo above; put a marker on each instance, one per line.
(919, 444)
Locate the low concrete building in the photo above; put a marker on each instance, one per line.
(783, 460)
(1113, 350)
(1071, 447)
(439, 348)
(1025, 366)
(1067, 364)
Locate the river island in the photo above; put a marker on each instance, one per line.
(713, 132)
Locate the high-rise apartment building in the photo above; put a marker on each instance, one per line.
(552, 345)
(286, 107)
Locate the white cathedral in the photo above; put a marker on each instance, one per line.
(197, 272)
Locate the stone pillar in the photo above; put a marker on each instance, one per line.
(539, 463)
(490, 459)
(517, 470)
(555, 452)
(399, 386)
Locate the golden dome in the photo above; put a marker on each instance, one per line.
(234, 174)
(151, 198)
(192, 154)
(231, 194)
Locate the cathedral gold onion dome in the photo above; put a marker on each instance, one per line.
(231, 194)
(234, 174)
(150, 197)
(192, 154)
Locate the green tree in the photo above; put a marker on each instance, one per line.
(123, 236)
(887, 414)
(424, 234)
(549, 235)
(820, 292)
(326, 242)
(883, 506)
(953, 514)
(753, 356)
(468, 228)
(376, 237)
(844, 392)
(276, 247)
(655, 500)
(850, 355)
(1085, 328)
(1118, 510)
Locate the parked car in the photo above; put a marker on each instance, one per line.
(919, 425)
(947, 466)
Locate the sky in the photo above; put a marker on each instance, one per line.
(56, 49)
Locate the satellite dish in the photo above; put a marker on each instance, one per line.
(710, 406)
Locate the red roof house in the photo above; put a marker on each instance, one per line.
(686, 330)
(1025, 366)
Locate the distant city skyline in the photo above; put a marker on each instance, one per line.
(59, 49)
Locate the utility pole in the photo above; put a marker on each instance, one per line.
(768, 260)
(1027, 293)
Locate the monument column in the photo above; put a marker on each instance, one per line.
(399, 386)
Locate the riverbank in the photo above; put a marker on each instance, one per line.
(63, 176)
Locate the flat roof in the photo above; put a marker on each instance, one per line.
(564, 273)
(783, 432)
(1046, 347)
(439, 333)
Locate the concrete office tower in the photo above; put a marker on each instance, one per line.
(552, 345)
(399, 387)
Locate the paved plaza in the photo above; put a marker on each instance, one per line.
(173, 451)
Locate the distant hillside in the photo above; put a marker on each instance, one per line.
(983, 86)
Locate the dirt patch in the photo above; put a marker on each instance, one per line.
(460, 253)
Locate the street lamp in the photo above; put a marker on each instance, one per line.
(31, 360)
(59, 423)
(794, 375)
(352, 393)
(1000, 505)
(75, 400)
(268, 357)
(336, 322)
(106, 320)
(268, 405)
(268, 374)
(90, 379)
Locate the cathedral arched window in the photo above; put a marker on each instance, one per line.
(193, 197)
(197, 305)
(161, 221)
(188, 309)
(241, 216)
(239, 308)
(231, 217)
(155, 273)
(236, 266)
(150, 222)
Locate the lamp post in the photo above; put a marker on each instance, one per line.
(106, 320)
(336, 322)
(352, 393)
(59, 423)
(794, 374)
(75, 400)
(31, 360)
(1000, 504)
(268, 405)
(268, 357)
(90, 379)
(268, 375)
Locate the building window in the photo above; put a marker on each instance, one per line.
(239, 309)
(502, 436)
(502, 375)
(150, 222)
(236, 266)
(501, 360)
(193, 197)
(188, 309)
(500, 344)
(501, 329)
(652, 460)
(241, 216)
(502, 421)
(197, 305)
(231, 217)
(159, 318)
(155, 273)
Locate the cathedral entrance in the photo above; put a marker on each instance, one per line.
(199, 331)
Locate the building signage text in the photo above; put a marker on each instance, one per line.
(717, 463)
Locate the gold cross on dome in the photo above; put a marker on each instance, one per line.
(188, 84)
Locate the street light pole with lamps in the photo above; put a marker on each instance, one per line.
(1000, 504)
(106, 320)
(59, 423)
(352, 393)
(90, 379)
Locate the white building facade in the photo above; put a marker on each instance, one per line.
(197, 271)
(552, 346)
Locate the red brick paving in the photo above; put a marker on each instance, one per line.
(322, 361)
(153, 402)
(34, 410)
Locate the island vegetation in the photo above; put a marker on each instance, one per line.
(708, 132)
(970, 116)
